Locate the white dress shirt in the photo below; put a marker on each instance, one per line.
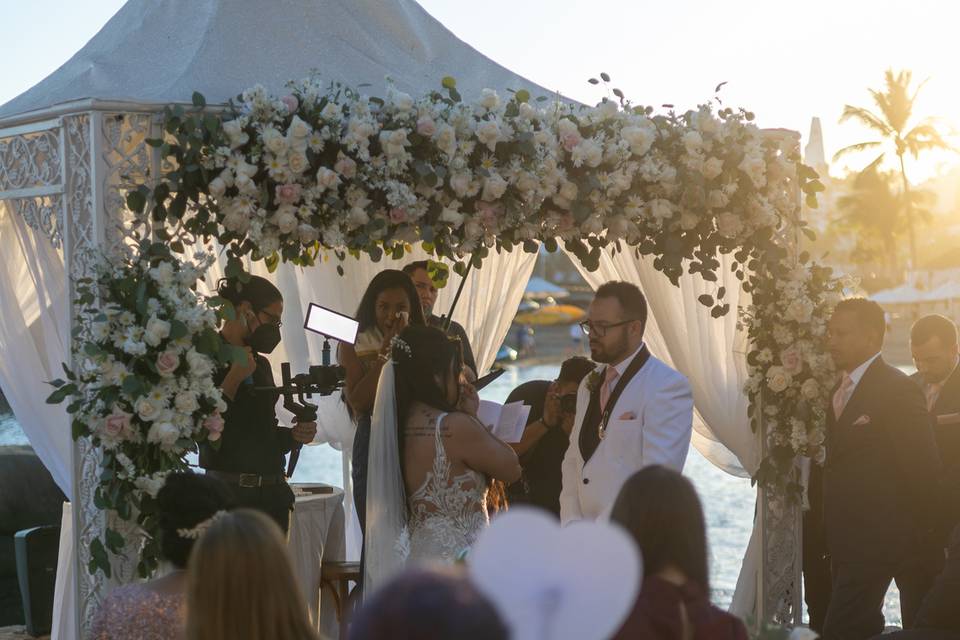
(857, 374)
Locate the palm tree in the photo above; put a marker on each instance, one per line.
(896, 104)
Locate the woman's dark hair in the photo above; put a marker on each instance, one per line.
(184, 501)
(366, 315)
(428, 604)
(661, 510)
(259, 292)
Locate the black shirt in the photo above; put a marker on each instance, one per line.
(252, 441)
(457, 331)
(542, 475)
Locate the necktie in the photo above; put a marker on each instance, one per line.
(933, 392)
(609, 380)
(840, 397)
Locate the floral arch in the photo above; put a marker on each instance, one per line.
(326, 170)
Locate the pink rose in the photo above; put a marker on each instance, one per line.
(291, 103)
(288, 193)
(791, 360)
(426, 126)
(345, 166)
(116, 424)
(167, 363)
(570, 140)
(489, 213)
(398, 215)
(214, 426)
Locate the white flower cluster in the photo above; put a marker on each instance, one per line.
(328, 165)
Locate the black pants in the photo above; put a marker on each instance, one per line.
(275, 500)
(817, 582)
(856, 603)
(358, 473)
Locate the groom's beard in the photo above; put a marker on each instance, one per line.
(614, 353)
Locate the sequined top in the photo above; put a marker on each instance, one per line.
(133, 612)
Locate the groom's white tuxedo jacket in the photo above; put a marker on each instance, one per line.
(650, 423)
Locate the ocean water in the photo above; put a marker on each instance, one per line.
(728, 501)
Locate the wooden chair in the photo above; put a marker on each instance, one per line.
(337, 576)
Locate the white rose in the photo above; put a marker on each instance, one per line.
(568, 190)
(472, 229)
(692, 141)
(755, 168)
(527, 111)
(640, 138)
(494, 187)
(447, 139)
(810, 389)
(157, 331)
(452, 216)
(308, 233)
(661, 209)
(345, 166)
(298, 128)
(688, 220)
(488, 134)
(778, 379)
(327, 179)
(799, 310)
(235, 133)
(402, 101)
(147, 409)
(164, 434)
(331, 111)
(358, 217)
(151, 484)
(286, 219)
(712, 168)
(298, 162)
(717, 199)
(269, 244)
(526, 182)
(163, 274)
(729, 225)
(589, 152)
(606, 110)
(186, 402)
(274, 141)
(217, 187)
(200, 365)
(460, 183)
(489, 99)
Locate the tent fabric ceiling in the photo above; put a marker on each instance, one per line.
(161, 51)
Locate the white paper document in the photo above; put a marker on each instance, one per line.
(506, 421)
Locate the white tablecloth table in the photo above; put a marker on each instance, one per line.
(317, 534)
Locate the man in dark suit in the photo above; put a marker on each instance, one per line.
(880, 480)
(933, 341)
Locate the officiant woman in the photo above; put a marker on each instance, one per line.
(389, 304)
(250, 456)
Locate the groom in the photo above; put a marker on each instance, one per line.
(633, 412)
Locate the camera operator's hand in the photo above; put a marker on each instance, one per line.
(304, 432)
(245, 370)
(469, 398)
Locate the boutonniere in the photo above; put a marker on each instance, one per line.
(594, 380)
(861, 421)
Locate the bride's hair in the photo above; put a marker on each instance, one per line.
(423, 356)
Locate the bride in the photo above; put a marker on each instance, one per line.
(430, 461)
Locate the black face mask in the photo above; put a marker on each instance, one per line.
(264, 338)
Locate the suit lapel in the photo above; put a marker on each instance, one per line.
(854, 407)
(947, 401)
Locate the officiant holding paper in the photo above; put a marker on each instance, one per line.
(633, 412)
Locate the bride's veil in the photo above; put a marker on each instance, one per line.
(384, 542)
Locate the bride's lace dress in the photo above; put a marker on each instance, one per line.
(447, 512)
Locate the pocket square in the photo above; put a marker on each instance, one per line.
(629, 415)
(861, 421)
(948, 418)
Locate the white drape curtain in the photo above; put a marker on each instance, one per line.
(34, 340)
(486, 308)
(711, 352)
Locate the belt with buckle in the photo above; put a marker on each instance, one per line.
(249, 480)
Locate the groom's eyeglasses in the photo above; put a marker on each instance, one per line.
(600, 330)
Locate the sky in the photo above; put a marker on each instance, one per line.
(785, 61)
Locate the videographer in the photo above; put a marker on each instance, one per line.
(250, 458)
(553, 406)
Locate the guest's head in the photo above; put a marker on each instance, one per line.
(856, 332)
(428, 604)
(615, 322)
(661, 510)
(240, 583)
(428, 369)
(185, 501)
(259, 307)
(388, 295)
(426, 289)
(933, 341)
(572, 372)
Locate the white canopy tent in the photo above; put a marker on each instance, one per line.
(72, 145)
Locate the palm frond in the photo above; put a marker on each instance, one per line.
(925, 136)
(856, 148)
(867, 118)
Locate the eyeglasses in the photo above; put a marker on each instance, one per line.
(600, 330)
(273, 319)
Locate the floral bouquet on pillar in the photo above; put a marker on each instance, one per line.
(141, 384)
